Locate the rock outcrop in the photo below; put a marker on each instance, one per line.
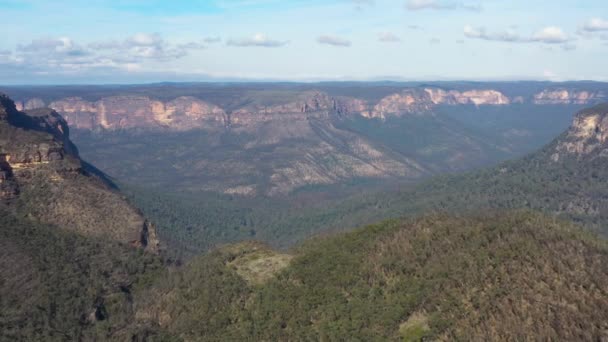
(187, 112)
(566, 96)
(125, 112)
(587, 137)
(476, 97)
(42, 177)
(33, 103)
(407, 102)
(184, 113)
(418, 100)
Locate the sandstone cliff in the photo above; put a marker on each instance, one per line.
(124, 112)
(586, 137)
(184, 113)
(42, 177)
(187, 112)
(566, 96)
(476, 97)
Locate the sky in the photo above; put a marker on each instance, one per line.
(142, 41)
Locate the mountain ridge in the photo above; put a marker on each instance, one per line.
(42, 177)
(129, 109)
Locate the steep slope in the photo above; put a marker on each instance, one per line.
(182, 107)
(449, 141)
(273, 139)
(291, 151)
(57, 285)
(42, 177)
(270, 158)
(68, 268)
(565, 178)
(492, 277)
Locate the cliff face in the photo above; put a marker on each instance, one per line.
(41, 176)
(184, 113)
(189, 112)
(565, 96)
(475, 97)
(33, 103)
(587, 136)
(258, 140)
(124, 112)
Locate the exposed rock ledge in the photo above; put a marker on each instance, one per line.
(42, 177)
(187, 112)
(587, 136)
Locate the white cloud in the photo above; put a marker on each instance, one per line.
(416, 5)
(259, 40)
(334, 41)
(550, 35)
(53, 46)
(145, 39)
(145, 46)
(550, 75)
(547, 35)
(61, 55)
(388, 37)
(595, 25)
(481, 33)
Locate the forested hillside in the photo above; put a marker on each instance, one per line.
(57, 285)
(498, 276)
(562, 179)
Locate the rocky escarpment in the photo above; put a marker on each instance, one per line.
(33, 103)
(586, 137)
(476, 97)
(124, 112)
(251, 109)
(187, 112)
(422, 100)
(566, 96)
(183, 113)
(42, 177)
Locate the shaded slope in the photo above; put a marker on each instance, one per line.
(42, 177)
(565, 178)
(60, 286)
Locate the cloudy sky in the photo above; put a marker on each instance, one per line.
(131, 41)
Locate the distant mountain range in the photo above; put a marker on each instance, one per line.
(185, 107)
(274, 139)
